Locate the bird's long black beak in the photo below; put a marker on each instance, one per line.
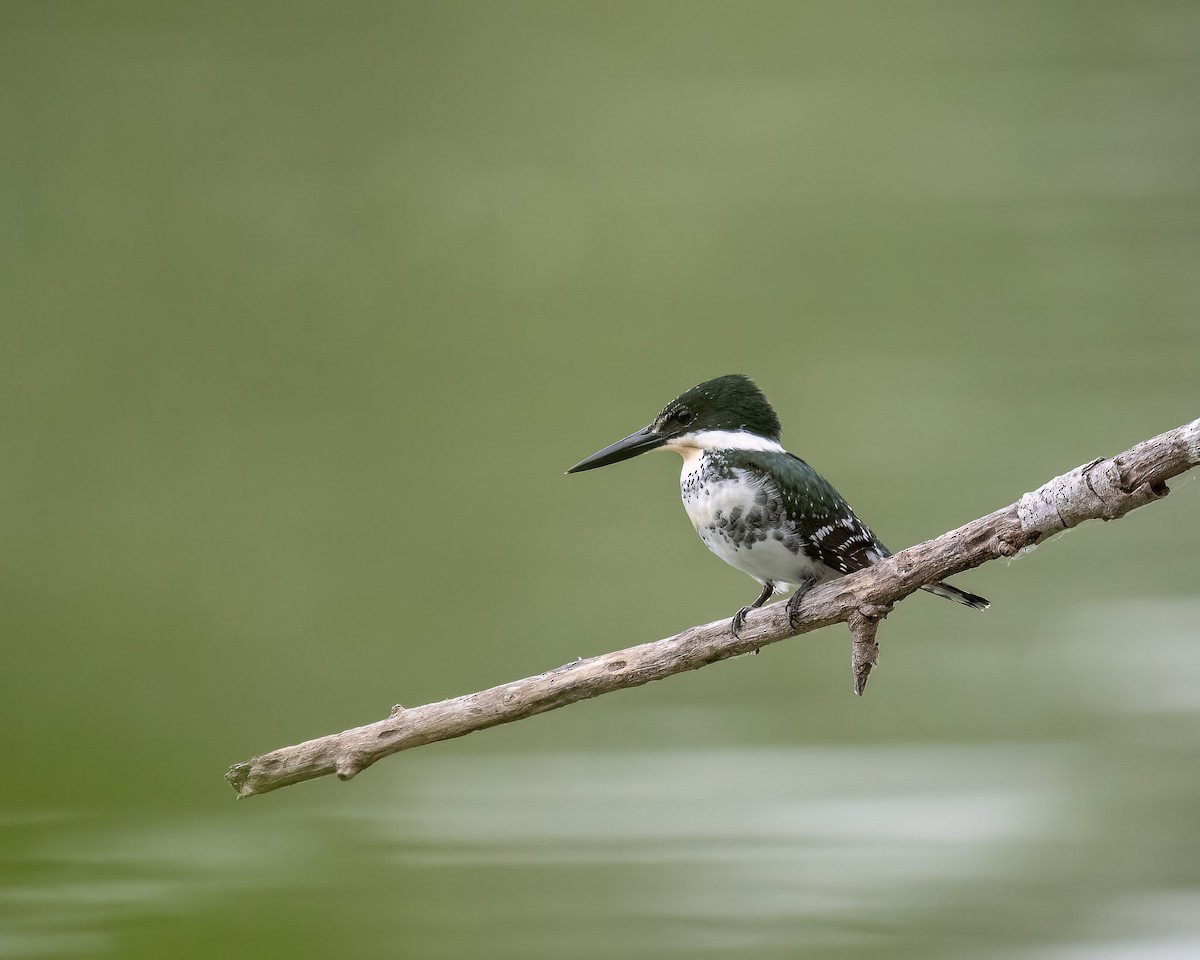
(645, 439)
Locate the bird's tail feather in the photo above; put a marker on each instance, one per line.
(958, 596)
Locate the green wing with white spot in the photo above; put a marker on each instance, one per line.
(832, 533)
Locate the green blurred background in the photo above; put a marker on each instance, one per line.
(306, 307)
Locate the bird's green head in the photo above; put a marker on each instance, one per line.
(729, 411)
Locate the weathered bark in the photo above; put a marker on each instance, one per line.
(1104, 489)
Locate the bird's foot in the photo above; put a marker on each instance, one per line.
(793, 604)
(739, 621)
(739, 618)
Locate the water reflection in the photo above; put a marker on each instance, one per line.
(83, 877)
(744, 845)
(1152, 926)
(732, 846)
(708, 805)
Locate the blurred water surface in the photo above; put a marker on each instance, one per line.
(307, 306)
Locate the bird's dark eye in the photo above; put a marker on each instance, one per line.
(683, 417)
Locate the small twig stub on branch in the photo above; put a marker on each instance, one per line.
(864, 623)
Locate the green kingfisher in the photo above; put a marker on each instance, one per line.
(756, 506)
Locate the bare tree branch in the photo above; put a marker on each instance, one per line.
(1104, 489)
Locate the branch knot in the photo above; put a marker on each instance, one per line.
(1098, 490)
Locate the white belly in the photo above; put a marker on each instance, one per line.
(719, 510)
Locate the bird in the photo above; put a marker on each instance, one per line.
(761, 509)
